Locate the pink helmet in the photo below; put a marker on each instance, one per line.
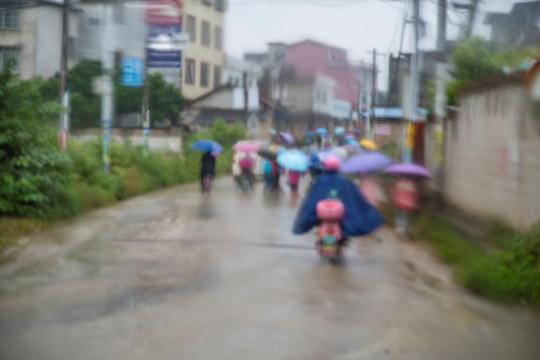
(332, 163)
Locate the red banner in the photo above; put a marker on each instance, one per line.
(164, 12)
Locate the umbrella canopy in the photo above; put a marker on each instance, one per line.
(368, 144)
(339, 130)
(366, 162)
(321, 131)
(206, 145)
(248, 147)
(286, 136)
(293, 160)
(267, 153)
(341, 152)
(216, 153)
(408, 169)
(272, 131)
(324, 154)
(309, 133)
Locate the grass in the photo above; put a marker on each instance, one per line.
(12, 229)
(508, 271)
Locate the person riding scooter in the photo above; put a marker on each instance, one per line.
(360, 217)
(247, 165)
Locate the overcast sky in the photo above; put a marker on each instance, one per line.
(356, 25)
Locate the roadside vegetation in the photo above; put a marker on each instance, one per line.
(475, 60)
(40, 183)
(504, 266)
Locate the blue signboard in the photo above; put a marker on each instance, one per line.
(132, 71)
(164, 58)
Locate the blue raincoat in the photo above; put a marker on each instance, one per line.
(360, 217)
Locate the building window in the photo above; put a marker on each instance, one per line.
(192, 28)
(205, 33)
(93, 21)
(190, 71)
(205, 69)
(220, 5)
(118, 14)
(10, 52)
(207, 2)
(10, 19)
(217, 76)
(218, 37)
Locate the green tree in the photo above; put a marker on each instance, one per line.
(85, 105)
(166, 101)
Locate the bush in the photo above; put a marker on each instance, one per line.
(509, 274)
(37, 178)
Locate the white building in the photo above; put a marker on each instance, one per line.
(33, 36)
(233, 74)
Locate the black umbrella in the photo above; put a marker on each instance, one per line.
(267, 153)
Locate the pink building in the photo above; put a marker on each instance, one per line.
(310, 57)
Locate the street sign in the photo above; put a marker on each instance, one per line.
(132, 71)
(171, 59)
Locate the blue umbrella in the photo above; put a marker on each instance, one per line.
(321, 131)
(206, 145)
(366, 162)
(339, 130)
(293, 160)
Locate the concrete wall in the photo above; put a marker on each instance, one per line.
(49, 39)
(491, 165)
(159, 140)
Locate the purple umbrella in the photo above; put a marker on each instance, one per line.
(407, 169)
(366, 162)
(286, 136)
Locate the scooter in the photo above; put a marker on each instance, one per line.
(246, 181)
(329, 245)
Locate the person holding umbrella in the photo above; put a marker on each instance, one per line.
(360, 218)
(208, 161)
(208, 168)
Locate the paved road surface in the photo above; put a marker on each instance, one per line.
(172, 276)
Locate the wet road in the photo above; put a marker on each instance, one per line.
(173, 276)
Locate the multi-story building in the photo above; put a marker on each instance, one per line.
(203, 60)
(519, 27)
(31, 32)
(314, 81)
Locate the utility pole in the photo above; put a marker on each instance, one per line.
(441, 26)
(374, 85)
(245, 85)
(64, 97)
(146, 102)
(472, 7)
(372, 100)
(106, 83)
(414, 86)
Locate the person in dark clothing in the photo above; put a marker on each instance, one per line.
(319, 140)
(208, 167)
(361, 218)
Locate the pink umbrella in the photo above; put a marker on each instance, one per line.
(247, 147)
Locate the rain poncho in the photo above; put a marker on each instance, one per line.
(360, 217)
